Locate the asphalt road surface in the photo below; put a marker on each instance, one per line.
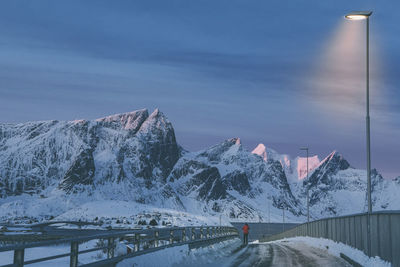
(261, 230)
(284, 254)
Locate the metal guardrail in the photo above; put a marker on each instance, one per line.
(353, 231)
(138, 242)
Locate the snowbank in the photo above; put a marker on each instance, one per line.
(335, 249)
(213, 255)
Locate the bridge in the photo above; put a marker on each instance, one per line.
(77, 223)
(137, 242)
(376, 234)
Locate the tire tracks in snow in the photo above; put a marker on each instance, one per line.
(283, 254)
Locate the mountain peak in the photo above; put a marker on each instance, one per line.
(260, 150)
(268, 153)
(156, 113)
(128, 121)
(336, 157)
(235, 140)
(313, 162)
(156, 120)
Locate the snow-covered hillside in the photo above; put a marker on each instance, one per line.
(335, 188)
(133, 148)
(72, 169)
(230, 180)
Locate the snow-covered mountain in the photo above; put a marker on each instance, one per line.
(133, 148)
(230, 180)
(335, 188)
(70, 169)
(295, 169)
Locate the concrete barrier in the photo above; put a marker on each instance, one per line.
(353, 231)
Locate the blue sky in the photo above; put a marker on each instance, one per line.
(283, 73)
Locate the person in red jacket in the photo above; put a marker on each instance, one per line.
(245, 229)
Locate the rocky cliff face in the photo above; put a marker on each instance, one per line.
(134, 147)
(228, 178)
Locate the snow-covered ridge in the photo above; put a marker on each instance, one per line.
(295, 169)
(63, 168)
(129, 121)
(133, 146)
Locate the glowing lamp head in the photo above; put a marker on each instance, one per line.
(358, 15)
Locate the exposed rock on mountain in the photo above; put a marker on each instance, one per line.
(335, 188)
(134, 147)
(228, 178)
(134, 157)
(81, 172)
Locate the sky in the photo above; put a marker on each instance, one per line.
(287, 74)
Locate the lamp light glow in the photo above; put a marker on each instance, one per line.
(358, 15)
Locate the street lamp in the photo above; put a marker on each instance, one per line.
(361, 15)
(308, 200)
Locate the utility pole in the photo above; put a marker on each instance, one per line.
(269, 220)
(307, 187)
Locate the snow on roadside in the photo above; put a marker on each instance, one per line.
(116, 213)
(164, 257)
(41, 252)
(335, 248)
(132, 211)
(214, 255)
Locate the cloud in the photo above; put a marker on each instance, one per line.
(217, 69)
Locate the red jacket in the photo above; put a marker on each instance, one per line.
(245, 229)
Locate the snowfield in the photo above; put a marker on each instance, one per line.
(115, 213)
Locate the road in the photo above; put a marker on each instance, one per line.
(284, 254)
(261, 230)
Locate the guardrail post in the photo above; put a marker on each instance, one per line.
(73, 260)
(137, 242)
(201, 232)
(183, 234)
(171, 236)
(156, 234)
(208, 232)
(193, 234)
(19, 257)
(110, 248)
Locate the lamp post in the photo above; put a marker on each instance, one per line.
(308, 199)
(361, 15)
